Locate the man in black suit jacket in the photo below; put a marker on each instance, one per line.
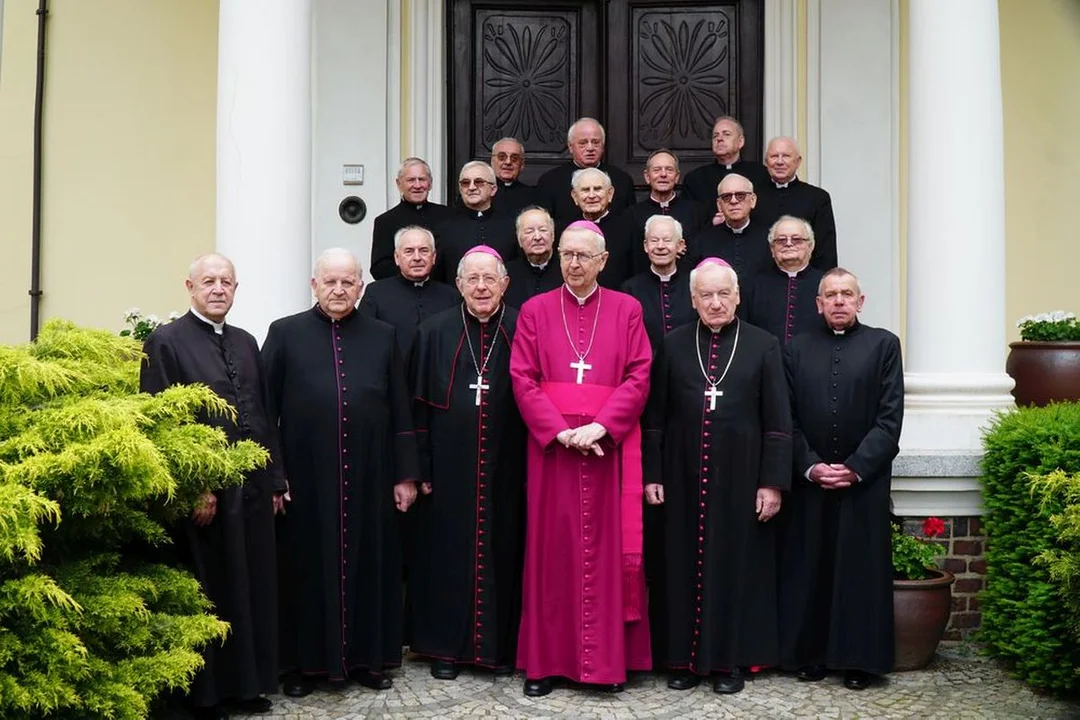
(414, 184)
(727, 144)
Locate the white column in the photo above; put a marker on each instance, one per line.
(264, 156)
(955, 350)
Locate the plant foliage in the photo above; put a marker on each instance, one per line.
(90, 470)
(1024, 619)
(913, 558)
(1057, 326)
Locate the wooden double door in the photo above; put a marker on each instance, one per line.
(656, 74)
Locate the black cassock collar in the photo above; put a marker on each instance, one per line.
(319, 313)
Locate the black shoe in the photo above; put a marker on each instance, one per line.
(373, 680)
(296, 685)
(501, 671)
(811, 673)
(858, 679)
(214, 712)
(252, 706)
(683, 680)
(537, 688)
(443, 670)
(730, 683)
(613, 688)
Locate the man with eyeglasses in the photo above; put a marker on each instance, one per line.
(727, 144)
(593, 194)
(782, 299)
(535, 270)
(740, 239)
(717, 458)
(580, 370)
(508, 160)
(466, 584)
(414, 184)
(786, 194)
(662, 176)
(474, 222)
(586, 141)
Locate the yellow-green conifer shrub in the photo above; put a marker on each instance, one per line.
(90, 470)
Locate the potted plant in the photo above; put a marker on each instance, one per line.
(922, 595)
(1046, 362)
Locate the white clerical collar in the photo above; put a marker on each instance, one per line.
(738, 230)
(507, 184)
(541, 266)
(839, 332)
(781, 186)
(482, 321)
(480, 213)
(597, 220)
(663, 203)
(663, 278)
(791, 273)
(219, 327)
(420, 283)
(583, 300)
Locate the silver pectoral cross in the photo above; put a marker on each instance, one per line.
(479, 386)
(711, 394)
(581, 366)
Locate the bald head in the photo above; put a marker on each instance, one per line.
(336, 282)
(735, 199)
(586, 139)
(211, 283)
(214, 258)
(782, 158)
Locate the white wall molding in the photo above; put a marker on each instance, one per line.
(781, 109)
(425, 130)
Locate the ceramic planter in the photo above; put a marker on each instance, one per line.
(921, 611)
(1044, 371)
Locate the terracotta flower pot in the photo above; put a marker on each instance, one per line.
(921, 611)
(1044, 371)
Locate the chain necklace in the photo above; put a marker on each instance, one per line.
(581, 366)
(712, 393)
(479, 386)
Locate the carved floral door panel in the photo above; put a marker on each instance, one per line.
(655, 74)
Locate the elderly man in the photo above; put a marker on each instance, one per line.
(847, 398)
(740, 239)
(466, 585)
(662, 175)
(414, 184)
(580, 370)
(228, 542)
(586, 140)
(727, 144)
(474, 223)
(508, 160)
(717, 456)
(337, 391)
(663, 290)
(786, 194)
(783, 299)
(411, 296)
(534, 271)
(593, 195)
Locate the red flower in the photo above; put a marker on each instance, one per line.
(932, 527)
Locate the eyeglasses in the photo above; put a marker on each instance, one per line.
(794, 240)
(503, 157)
(485, 280)
(568, 256)
(730, 197)
(469, 182)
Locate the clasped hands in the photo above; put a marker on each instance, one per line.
(833, 476)
(766, 501)
(585, 439)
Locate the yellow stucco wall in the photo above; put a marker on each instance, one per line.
(1040, 57)
(128, 171)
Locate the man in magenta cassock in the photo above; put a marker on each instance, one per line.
(580, 371)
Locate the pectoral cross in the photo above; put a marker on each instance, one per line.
(581, 366)
(479, 386)
(711, 394)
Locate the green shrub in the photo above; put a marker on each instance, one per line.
(89, 469)
(1062, 490)
(1024, 620)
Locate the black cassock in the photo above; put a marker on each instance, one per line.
(836, 562)
(426, 215)
(746, 250)
(511, 198)
(405, 304)
(806, 201)
(464, 230)
(618, 229)
(232, 557)
(700, 183)
(665, 304)
(555, 184)
(690, 214)
(528, 280)
(467, 581)
(721, 561)
(337, 389)
(783, 304)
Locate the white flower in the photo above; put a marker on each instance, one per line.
(132, 314)
(153, 320)
(173, 315)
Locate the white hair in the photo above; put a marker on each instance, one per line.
(333, 254)
(488, 171)
(399, 236)
(704, 268)
(597, 238)
(675, 224)
(579, 121)
(807, 229)
(499, 264)
(409, 162)
(734, 176)
(583, 171)
(534, 208)
(506, 139)
(197, 263)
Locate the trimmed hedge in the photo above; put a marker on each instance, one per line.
(1025, 619)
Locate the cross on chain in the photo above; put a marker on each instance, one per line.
(581, 366)
(479, 386)
(711, 394)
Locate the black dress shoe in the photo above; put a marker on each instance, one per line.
(252, 706)
(374, 680)
(683, 680)
(613, 688)
(537, 688)
(443, 670)
(213, 712)
(296, 685)
(811, 673)
(502, 670)
(858, 679)
(730, 683)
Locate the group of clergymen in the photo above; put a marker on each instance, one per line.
(604, 471)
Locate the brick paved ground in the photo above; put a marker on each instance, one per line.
(956, 685)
